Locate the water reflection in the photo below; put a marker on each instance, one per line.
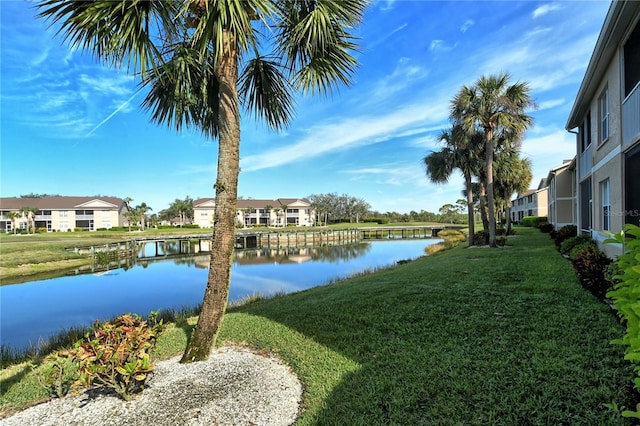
(37, 309)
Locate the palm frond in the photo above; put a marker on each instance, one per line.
(266, 92)
(184, 92)
(313, 39)
(222, 23)
(118, 32)
(438, 165)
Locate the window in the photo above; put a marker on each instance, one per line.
(106, 224)
(603, 106)
(631, 178)
(64, 226)
(585, 133)
(64, 213)
(606, 205)
(632, 61)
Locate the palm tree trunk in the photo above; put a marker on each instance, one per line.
(469, 188)
(507, 198)
(217, 291)
(490, 196)
(483, 206)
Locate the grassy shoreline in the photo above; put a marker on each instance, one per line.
(466, 336)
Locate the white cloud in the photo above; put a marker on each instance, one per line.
(545, 9)
(551, 103)
(548, 151)
(387, 5)
(384, 38)
(467, 24)
(119, 85)
(440, 46)
(346, 134)
(403, 76)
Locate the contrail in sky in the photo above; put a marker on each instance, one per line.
(114, 112)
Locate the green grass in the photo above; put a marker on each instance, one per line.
(464, 337)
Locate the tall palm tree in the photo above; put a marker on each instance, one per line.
(495, 107)
(199, 59)
(142, 211)
(30, 214)
(13, 217)
(513, 175)
(462, 152)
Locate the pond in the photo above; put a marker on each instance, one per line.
(33, 311)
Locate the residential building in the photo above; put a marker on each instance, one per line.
(561, 182)
(606, 119)
(275, 213)
(533, 202)
(64, 213)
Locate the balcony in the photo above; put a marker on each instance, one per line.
(631, 117)
(585, 163)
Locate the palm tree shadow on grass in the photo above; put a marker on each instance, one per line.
(435, 352)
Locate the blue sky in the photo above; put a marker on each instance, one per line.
(71, 126)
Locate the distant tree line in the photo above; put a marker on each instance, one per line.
(334, 208)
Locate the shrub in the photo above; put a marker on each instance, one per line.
(501, 241)
(451, 239)
(533, 221)
(626, 298)
(579, 248)
(568, 245)
(451, 235)
(57, 374)
(563, 234)
(481, 238)
(590, 265)
(545, 227)
(191, 226)
(116, 354)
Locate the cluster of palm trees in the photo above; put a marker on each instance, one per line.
(202, 60)
(137, 214)
(488, 120)
(28, 212)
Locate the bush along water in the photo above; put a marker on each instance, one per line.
(626, 299)
(116, 354)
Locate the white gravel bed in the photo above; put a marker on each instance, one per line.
(233, 387)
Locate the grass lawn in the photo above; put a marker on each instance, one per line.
(465, 337)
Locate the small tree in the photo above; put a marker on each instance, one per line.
(29, 213)
(13, 217)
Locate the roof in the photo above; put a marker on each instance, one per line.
(62, 203)
(254, 203)
(566, 164)
(619, 17)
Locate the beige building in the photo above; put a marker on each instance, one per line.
(606, 119)
(274, 213)
(63, 213)
(561, 182)
(533, 202)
